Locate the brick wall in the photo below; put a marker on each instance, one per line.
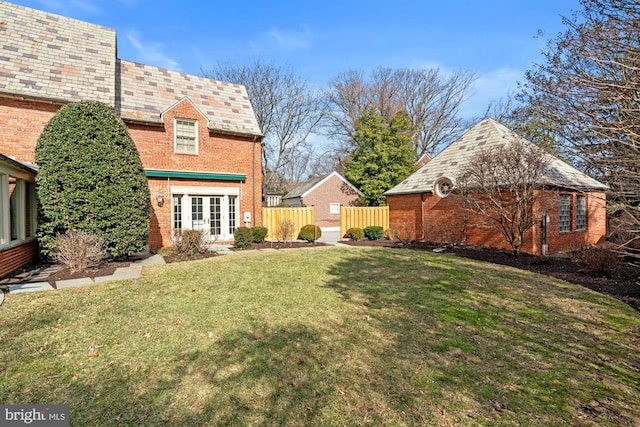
(332, 190)
(22, 122)
(443, 220)
(17, 256)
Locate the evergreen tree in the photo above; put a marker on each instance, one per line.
(91, 179)
(383, 156)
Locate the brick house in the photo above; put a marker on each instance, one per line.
(326, 194)
(198, 138)
(426, 205)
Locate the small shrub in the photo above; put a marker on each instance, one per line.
(285, 230)
(598, 259)
(79, 250)
(373, 232)
(191, 242)
(310, 233)
(243, 237)
(355, 234)
(390, 234)
(259, 234)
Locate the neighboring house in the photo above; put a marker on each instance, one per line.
(326, 193)
(272, 199)
(18, 245)
(424, 206)
(198, 138)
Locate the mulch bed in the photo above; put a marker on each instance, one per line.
(623, 283)
(105, 269)
(281, 245)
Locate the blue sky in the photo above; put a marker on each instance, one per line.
(496, 39)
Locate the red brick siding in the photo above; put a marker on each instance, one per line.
(443, 220)
(22, 122)
(17, 256)
(333, 190)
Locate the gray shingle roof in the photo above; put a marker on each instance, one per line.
(301, 189)
(486, 134)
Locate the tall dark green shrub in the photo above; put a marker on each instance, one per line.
(91, 179)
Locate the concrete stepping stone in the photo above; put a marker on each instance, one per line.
(30, 287)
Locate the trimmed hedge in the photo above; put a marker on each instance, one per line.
(310, 233)
(373, 232)
(242, 237)
(259, 233)
(355, 233)
(91, 180)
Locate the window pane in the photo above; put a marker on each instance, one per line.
(581, 213)
(215, 213)
(197, 213)
(232, 215)
(177, 212)
(565, 212)
(14, 207)
(186, 136)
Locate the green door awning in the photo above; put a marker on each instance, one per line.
(208, 176)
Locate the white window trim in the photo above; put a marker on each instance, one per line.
(175, 136)
(334, 208)
(5, 226)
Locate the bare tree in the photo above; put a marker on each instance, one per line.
(431, 100)
(286, 108)
(589, 84)
(500, 187)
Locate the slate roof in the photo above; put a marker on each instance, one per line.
(486, 134)
(147, 91)
(46, 56)
(40, 56)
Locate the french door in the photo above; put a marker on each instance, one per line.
(215, 215)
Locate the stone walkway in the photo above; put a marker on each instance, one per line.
(37, 280)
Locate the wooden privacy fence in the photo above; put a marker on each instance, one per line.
(362, 217)
(278, 219)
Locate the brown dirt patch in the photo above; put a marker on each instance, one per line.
(623, 283)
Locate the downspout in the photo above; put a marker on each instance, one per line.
(253, 181)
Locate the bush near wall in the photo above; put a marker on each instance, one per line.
(91, 179)
(310, 233)
(373, 232)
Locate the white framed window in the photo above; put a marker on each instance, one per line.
(565, 212)
(176, 203)
(334, 208)
(186, 136)
(581, 213)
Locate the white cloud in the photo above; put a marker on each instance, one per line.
(285, 39)
(151, 53)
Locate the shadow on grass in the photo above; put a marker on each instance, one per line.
(420, 339)
(504, 347)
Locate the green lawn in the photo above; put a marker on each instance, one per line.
(338, 336)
